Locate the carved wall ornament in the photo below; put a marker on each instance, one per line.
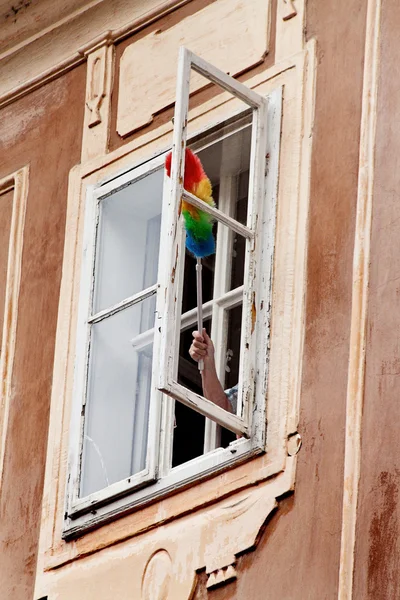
(294, 444)
(210, 540)
(96, 86)
(99, 78)
(290, 10)
(232, 529)
(97, 90)
(221, 577)
(141, 97)
(157, 577)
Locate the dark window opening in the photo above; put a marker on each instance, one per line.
(228, 158)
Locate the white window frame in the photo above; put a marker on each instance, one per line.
(94, 194)
(251, 423)
(159, 479)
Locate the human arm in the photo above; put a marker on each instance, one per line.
(203, 348)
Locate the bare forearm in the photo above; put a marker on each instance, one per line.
(202, 348)
(212, 388)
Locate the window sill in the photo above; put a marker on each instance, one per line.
(95, 510)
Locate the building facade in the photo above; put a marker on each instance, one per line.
(118, 479)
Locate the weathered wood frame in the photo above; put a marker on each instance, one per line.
(247, 424)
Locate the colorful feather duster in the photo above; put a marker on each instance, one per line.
(198, 224)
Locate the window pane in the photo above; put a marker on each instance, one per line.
(233, 346)
(227, 163)
(202, 90)
(128, 241)
(231, 378)
(238, 241)
(189, 425)
(119, 383)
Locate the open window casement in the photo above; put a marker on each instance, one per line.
(258, 233)
(136, 391)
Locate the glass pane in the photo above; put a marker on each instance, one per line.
(118, 390)
(128, 241)
(234, 329)
(224, 161)
(238, 241)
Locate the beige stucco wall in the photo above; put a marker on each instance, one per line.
(300, 545)
(35, 132)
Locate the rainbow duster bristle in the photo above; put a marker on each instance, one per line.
(198, 224)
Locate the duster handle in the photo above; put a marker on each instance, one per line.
(199, 282)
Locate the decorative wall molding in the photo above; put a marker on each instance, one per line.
(18, 183)
(290, 10)
(157, 575)
(97, 70)
(140, 97)
(233, 529)
(29, 65)
(360, 293)
(97, 76)
(22, 20)
(99, 79)
(289, 28)
(221, 577)
(163, 565)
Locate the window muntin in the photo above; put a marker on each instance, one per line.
(128, 241)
